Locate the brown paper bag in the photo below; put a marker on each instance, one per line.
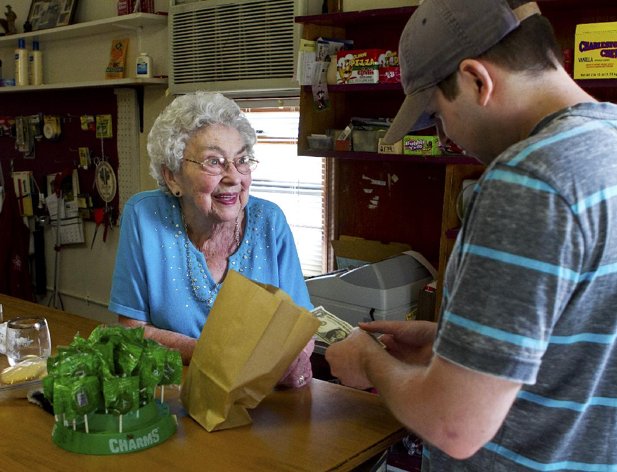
(253, 334)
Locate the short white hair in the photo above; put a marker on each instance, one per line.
(181, 119)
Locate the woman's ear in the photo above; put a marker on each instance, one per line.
(479, 77)
(170, 180)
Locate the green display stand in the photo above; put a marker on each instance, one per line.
(141, 429)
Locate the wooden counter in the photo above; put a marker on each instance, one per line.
(321, 427)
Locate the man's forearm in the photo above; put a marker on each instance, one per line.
(453, 408)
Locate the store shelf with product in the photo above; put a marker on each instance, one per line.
(89, 28)
(89, 43)
(409, 199)
(380, 28)
(126, 82)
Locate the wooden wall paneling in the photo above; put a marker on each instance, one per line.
(454, 177)
(408, 208)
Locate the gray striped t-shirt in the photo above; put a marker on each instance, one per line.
(531, 295)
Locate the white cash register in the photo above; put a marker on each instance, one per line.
(385, 290)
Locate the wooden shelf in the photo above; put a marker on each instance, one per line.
(391, 87)
(374, 156)
(355, 17)
(576, 4)
(133, 21)
(597, 83)
(128, 82)
(355, 88)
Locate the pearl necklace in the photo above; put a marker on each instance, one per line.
(211, 290)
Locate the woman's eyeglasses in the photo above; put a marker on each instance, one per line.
(216, 166)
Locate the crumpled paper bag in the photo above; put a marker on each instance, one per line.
(253, 334)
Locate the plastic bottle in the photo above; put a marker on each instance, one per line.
(143, 66)
(35, 62)
(21, 63)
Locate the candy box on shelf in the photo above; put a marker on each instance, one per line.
(595, 51)
(359, 66)
(421, 145)
(389, 70)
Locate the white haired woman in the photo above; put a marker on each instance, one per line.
(177, 243)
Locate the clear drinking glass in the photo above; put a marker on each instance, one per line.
(27, 338)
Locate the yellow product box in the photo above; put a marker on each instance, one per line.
(421, 145)
(360, 66)
(117, 59)
(595, 51)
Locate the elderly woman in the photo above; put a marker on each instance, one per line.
(177, 243)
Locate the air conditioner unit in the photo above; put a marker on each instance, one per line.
(240, 48)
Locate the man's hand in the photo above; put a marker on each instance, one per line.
(408, 341)
(346, 358)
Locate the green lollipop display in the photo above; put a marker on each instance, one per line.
(142, 429)
(102, 390)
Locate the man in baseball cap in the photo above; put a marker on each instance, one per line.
(519, 373)
(435, 41)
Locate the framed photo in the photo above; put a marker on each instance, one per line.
(46, 14)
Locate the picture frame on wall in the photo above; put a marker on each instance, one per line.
(45, 14)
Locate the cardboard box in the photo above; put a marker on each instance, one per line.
(358, 66)
(366, 140)
(351, 251)
(421, 145)
(595, 51)
(396, 148)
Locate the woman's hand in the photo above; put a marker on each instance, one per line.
(170, 339)
(300, 371)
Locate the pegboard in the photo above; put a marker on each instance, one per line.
(58, 155)
(128, 144)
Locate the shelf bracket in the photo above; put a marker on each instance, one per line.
(140, 103)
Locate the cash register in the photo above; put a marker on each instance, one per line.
(384, 290)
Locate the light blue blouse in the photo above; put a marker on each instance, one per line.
(156, 261)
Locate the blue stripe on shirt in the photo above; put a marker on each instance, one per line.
(521, 261)
(534, 264)
(495, 333)
(587, 127)
(607, 269)
(567, 404)
(584, 338)
(522, 180)
(526, 341)
(595, 199)
(561, 465)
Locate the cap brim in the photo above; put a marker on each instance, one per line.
(411, 116)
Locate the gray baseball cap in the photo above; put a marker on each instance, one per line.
(437, 37)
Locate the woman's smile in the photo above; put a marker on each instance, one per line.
(226, 198)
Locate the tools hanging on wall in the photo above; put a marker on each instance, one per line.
(106, 186)
(46, 129)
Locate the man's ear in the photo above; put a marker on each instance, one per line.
(475, 73)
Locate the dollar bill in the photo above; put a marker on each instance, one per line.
(331, 327)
